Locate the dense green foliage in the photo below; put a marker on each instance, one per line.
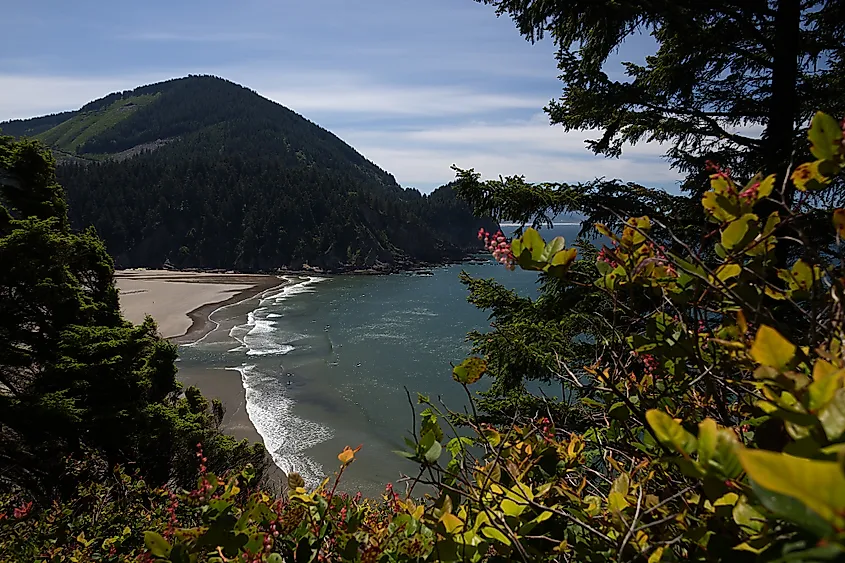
(77, 379)
(699, 351)
(716, 428)
(203, 173)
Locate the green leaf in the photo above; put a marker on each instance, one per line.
(495, 534)
(619, 411)
(832, 416)
(511, 508)
(275, 558)
(534, 243)
(670, 433)
(552, 247)
(825, 136)
(740, 232)
(433, 452)
(793, 510)
(429, 423)
(728, 271)
(180, 554)
(818, 485)
(469, 371)
(157, 545)
(748, 517)
(772, 349)
(708, 438)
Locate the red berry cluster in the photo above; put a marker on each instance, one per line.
(750, 193)
(546, 428)
(499, 247)
(23, 510)
(172, 520)
(606, 255)
(649, 362)
(391, 496)
(204, 490)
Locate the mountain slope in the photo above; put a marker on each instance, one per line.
(204, 173)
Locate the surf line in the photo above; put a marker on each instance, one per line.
(286, 283)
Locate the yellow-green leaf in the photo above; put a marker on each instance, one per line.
(708, 437)
(564, 257)
(825, 136)
(469, 371)
(766, 186)
(832, 416)
(635, 230)
(818, 485)
(824, 385)
(553, 247)
(739, 232)
(533, 242)
(511, 508)
(451, 522)
(670, 433)
(656, 556)
(495, 534)
(772, 349)
(157, 545)
(728, 271)
(543, 516)
(748, 517)
(807, 177)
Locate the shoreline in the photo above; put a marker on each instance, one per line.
(201, 323)
(213, 291)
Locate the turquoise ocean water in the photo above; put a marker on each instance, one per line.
(325, 362)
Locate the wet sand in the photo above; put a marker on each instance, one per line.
(182, 303)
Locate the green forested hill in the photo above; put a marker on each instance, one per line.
(204, 173)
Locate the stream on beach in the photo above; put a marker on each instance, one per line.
(326, 361)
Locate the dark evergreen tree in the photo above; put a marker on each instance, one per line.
(76, 379)
(722, 72)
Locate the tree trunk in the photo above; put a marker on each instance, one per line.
(783, 104)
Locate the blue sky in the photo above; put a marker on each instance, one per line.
(414, 85)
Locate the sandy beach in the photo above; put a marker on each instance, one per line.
(182, 303)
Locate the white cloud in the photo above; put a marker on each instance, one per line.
(427, 168)
(531, 147)
(410, 141)
(23, 96)
(373, 99)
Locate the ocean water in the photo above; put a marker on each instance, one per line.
(329, 362)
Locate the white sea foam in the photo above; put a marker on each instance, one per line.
(304, 286)
(285, 435)
(260, 335)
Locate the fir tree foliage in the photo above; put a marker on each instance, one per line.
(732, 81)
(76, 377)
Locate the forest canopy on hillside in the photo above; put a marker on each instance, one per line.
(202, 173)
